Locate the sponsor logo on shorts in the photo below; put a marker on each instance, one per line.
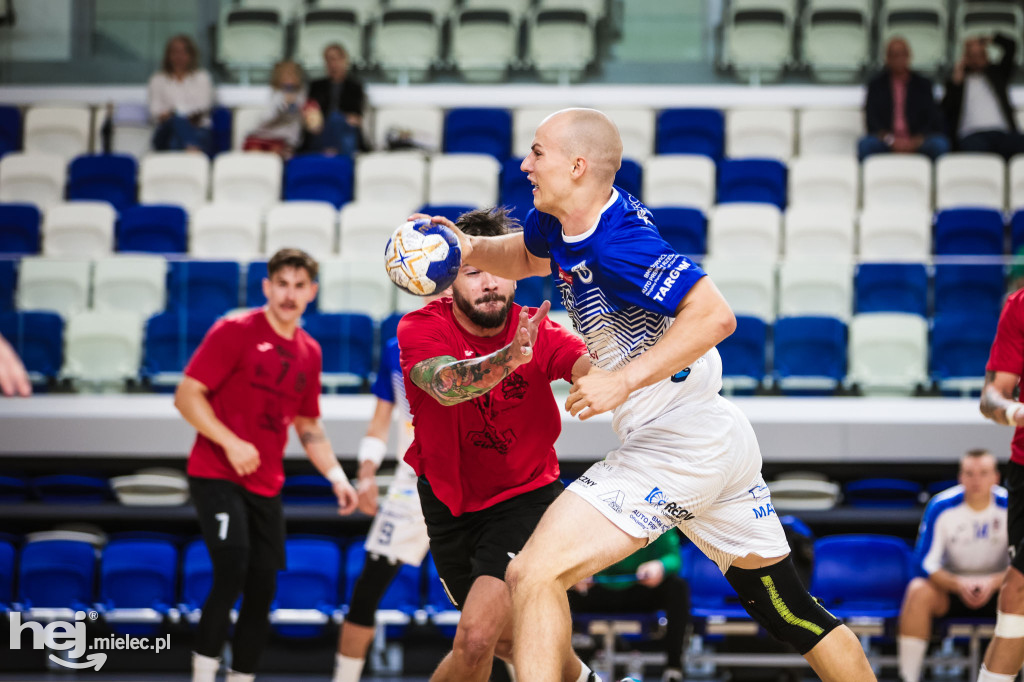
(764, 511)
(614, 500)
(648, 522)
(657, 498)
(584, 480)
(759, 492)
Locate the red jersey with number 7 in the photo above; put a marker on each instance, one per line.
(1007, 355)
(259, 382)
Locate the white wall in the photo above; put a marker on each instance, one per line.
(42, 32)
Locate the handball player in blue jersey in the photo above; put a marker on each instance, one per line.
(688, 458)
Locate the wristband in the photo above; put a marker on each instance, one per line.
(371, 449)
(335, 474)
(1011, 412)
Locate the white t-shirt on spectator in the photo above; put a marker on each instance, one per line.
(981, 110)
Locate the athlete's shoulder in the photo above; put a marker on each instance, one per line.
(436, 313)
(1000, 496)
(1016, 301)
(949, 498)
(307, 340)
(240, 322)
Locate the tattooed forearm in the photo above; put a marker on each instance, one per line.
(452, 381)
(312, 436)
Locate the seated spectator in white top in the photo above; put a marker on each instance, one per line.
(180, 99)
(287, 115)
(961, 546)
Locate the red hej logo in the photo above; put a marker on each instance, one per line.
(564, 276)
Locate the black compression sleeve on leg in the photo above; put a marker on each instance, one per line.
(370, 587)
(253, 624)
(229, 569)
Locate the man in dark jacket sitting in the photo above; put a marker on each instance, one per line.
(900, 111)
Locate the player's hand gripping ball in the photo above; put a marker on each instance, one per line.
(423, 257)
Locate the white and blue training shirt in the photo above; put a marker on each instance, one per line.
(961, 540)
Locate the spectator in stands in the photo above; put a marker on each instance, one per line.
(288, 113)
(647, 580)
(900, 110)
(962, 549)
(977, 102)
(13, 378)
(180, 98)
(341, 99)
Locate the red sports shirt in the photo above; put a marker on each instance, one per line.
(498, 445)
(1007, 355)
(259, 382)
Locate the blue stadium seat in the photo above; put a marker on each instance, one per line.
(1017, 231)
(104, 177)
(389, 328)
(307, 591)
(690, 131)
(969, 232)
(711, 595)
(10, 129)
(137, 584)
(685, 229)
(220, 126)
(810, 353)
(171, 339)
(71, 489)
(449, 211)
(479, 131)
(630, 177)
(7, 555)
(319, 178)
(402, 595)
(882, 492)
(346, 340)
(516, 192)
(8, 277)
(892, 288)
(861, 575)
(436, 603)
(960, 344)
(533, 291)
(13, 488)
(203, 286)
(57, 574)
(969, 289)
(743, 353)
(754, 180)
(196, 579)
(38, 338)
(19, 228)
(153, 229)
(307, 489)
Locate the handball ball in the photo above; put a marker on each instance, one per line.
(422, 257)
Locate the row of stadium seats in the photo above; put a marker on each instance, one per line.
(836, 38)
(407, 38)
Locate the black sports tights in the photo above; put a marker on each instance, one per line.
(233, 575)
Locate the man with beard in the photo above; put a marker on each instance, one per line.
(477, 372)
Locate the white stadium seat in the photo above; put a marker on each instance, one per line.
(79, 229)
(636, 128)
(307, 225)
(440, 8)
(63, 131)
(423, 126)
(745, 231)
(178, 178)
(757, 37)
(102, 347)
(484, 43)
(524, 125)
(251, 178)
(820, 287)
(890, 232)
(903, 180)
(56, 284)
(1016, 183)
(356, 286)
(321, 27)
(366, 10)
(560, 43)
(987, 18)
(244, 120)
(829, 131)
(679, 180)
(748, 284)
(250, 37)
(518, 8)
(397, 177)
(32, 178)
(407, 42)
(463, 180)
(594, 9)
(289, 9)
(836, 38)
(132, 132)
(217, 230)
(923, 24)
(888, 353)
(130, 284)
(367, 226)
(970, 179)
(813, 231)
(759, 133)
(825, 180)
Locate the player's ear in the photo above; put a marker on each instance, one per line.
(266, 288)
(313, 289)
(579, 166)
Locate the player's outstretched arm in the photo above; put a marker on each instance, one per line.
(997, 399)
(450, 381)
(371, 453)
(318, 448)
(505, 256)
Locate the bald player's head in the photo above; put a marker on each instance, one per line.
(590, 134)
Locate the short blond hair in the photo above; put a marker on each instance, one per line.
(283, 68)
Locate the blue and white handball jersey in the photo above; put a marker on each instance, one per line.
(621, 284)
(389, 386)
(962, 540)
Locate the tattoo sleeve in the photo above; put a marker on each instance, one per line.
(312, 436)
(452, 381)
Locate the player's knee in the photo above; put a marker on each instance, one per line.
(473, 646)
(1011, 594)
(503, 649)
(919, 591)
(778, 601)
(373, 581)
(524, 574)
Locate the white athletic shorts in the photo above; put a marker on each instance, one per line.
(398, 531)
(697, 467)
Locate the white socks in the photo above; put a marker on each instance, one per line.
(347, 669)
(204, 668)
(986, 675)
(910, 655)
(584, 673)
(235, 676)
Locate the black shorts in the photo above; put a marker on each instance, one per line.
(958, 609)
(232, 517)
(481, 542)
(1014, 483)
